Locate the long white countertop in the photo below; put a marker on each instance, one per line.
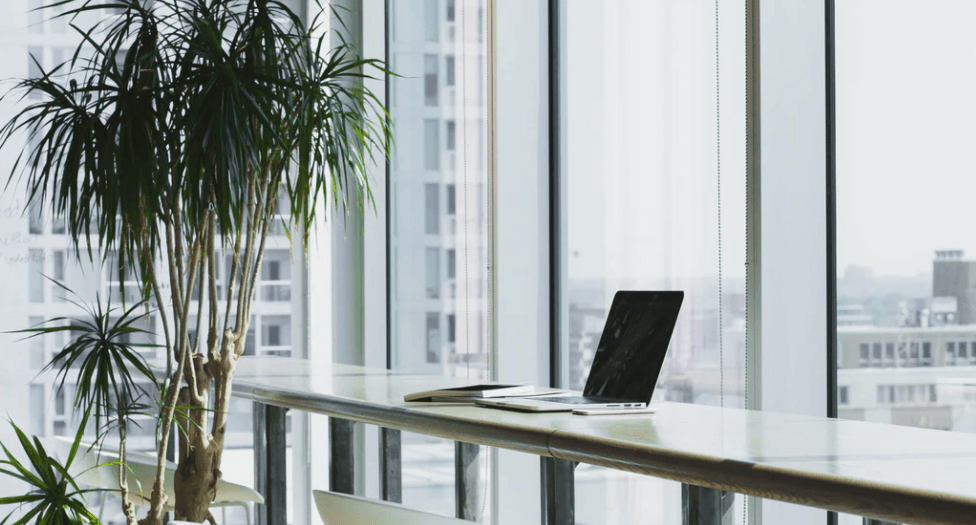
(888, 472)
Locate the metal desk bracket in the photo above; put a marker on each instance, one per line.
(702, 506)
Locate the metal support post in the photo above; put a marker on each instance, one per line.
(391, 476)
(558, 491)
(342, 469)
(270, 471)
(469, 481)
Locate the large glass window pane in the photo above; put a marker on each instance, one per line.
(438, 216)
(906, 250)
(653, 159)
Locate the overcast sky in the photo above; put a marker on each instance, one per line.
(641, 127)
(906, 108)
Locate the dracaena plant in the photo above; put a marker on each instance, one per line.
(53, 497)
(112, 379)
(166, 140)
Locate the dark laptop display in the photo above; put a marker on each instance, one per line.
(634, 343)
(632, 349)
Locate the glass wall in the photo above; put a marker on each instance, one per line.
(653, 158)
(438, 223)
(906, 248)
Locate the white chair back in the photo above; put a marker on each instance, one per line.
(341, 509)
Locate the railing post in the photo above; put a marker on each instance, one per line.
(260, 433)
(276, 491)
(342, 469)
(558, 491)
(702, 506)
(469, 481)
(270, 471)
(390, 463)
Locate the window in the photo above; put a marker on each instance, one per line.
(424, 229)
(433, 337)
(59, 261)
(274, 270)
(35, 221)
(640, 171)
(274, 335)
(909, 272)
(449, 71)
(35, 59)
(842, 394)
(865, 353)
(35, 275)
(433, 273)
(431, 21)
(38, 357)
(430, 80)
(452, 204)
(451, 328)
(432, 145)
(451, 262)
(450, 135)
(58, 225)
(876, 351)
(432, 214)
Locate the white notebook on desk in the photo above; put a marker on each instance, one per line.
(470, 393)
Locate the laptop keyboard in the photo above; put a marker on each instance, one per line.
(585, 400)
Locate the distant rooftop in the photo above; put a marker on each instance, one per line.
(949, 255)
(968, 328)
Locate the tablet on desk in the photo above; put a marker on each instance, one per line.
(612, 411)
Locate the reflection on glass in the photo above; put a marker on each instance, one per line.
(437, 215)
(640, 170)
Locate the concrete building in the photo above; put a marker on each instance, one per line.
(955, 276)
(923, 373)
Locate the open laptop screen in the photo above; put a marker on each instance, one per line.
(633, 346)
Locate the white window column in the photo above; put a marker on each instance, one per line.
(788, 205)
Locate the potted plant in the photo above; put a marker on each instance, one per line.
(167, 140)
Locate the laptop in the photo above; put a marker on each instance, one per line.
(628, 360)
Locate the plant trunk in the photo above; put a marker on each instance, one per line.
(195, 482)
